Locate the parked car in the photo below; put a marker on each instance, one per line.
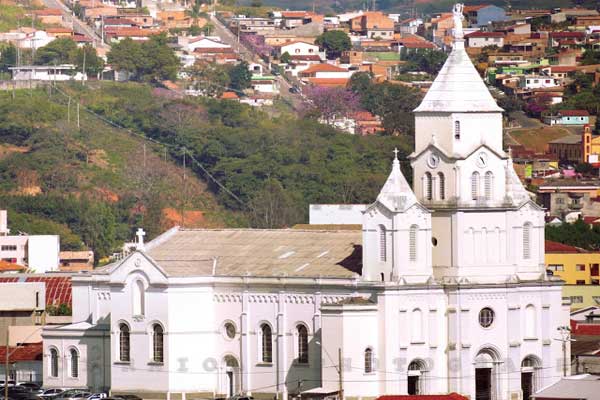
(128, 397)
(97, 396)
(69, 393)
(78, 395)
(30, 385)
(50, 393)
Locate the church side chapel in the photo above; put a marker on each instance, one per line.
(443, 290)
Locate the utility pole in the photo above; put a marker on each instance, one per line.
(69, 111)
(78, 125)
(6, 368)
(565, 333)
(341, 374)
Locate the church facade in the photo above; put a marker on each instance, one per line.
(443, 290)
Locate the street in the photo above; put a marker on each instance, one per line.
(295, 100)
(78, 25)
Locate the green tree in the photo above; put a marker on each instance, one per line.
(125, 55)
(8, 57)
(285, 58)
(240, 76)
(430, 61)
(334, 43)
(93, 64)
(58, 51)
(591, 57)
(211, 79)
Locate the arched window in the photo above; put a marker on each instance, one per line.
(456, 130)
(475, 185)
(368, 360)
(138, 298)
(412, 243)
(442, 185)
(527, 241)
(382, 243)
(530, 321)
(428, 186)
(158, 349)
(124, 343)
(267, 343)
(302, 344)
(74, 360)
(416, 323)
(54, 363)
(488, 185)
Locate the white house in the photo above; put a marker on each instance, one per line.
(190, 44)
(63, 72)
(538, 82)
(298, 48)
(483, 39)
(442, 289)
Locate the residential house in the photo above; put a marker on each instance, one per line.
(118, 23)
(585, 21)
(25, 361)
(538, 82)
(366, 123)
(190, 43)
(49, 16)
(561, 72)
(176, 19)
(556, 37)
(442, 29)
(409, 25)
(581, 296)
(38, 252)
(33, 40)
(568, 118)
(265, 84)
(141, 20)
(75, 261)
(298, 48)
(135, 34)
(574, 265)
(252, 24)
(325, 75)
(483, 14)
(480, 39)
(578, 387)
(374, 25)
(294, 19)
(569, 198)
(59, 32)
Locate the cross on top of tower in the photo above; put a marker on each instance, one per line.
(396, 153)
(140, 238)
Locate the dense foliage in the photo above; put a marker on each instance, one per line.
(65, 51)
(392, 102)
(334, 43)
(430, 61)
(149, 61)
(577, 234)
(276, 165)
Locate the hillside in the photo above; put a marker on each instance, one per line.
(56, 178)
(269, 169)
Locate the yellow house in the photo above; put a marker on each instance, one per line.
(573, 265)
(582, 296)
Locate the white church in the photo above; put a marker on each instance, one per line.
(443, 290)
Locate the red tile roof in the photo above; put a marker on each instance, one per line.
(329, 81)
(58, 288)
(419, 45)
(229, 96)
(564, 35)
(297, 14)
(555, 247)
(25, 352)
(6, 266)
(562, 68)
(451, 396)
(583, 329)
(574, 113)
(467, 9)
(323, 68)
(59, 30)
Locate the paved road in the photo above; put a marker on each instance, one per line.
(78, 25)
(228, 37)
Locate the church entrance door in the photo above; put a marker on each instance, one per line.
(483, 384)
(527, 384)
(232, 376)
(413, 385)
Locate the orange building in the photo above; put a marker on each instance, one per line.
(373, 24)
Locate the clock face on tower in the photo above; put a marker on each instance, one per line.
(433, 161)
(481, 160)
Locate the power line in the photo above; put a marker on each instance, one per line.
(166, 145)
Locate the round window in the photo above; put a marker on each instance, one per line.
(230, 330)
(486, 317)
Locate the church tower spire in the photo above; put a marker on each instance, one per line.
(397, 233)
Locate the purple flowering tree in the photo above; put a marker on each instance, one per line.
(330, 103)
